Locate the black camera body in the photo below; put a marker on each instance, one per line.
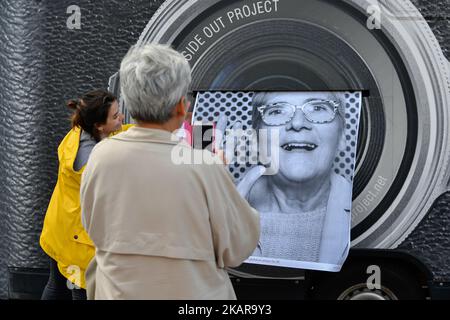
(400, 217)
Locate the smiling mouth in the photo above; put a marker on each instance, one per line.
(299, 146)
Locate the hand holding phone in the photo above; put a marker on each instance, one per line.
(203, 136)
(226, 151)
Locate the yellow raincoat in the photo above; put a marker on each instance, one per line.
(63, 237)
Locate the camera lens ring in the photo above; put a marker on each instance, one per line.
(423, 64)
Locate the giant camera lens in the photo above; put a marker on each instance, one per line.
(402, 160)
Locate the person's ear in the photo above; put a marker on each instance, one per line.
(99, 127)
(182, 107)
(189, 117)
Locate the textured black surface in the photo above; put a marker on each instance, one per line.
(23, 173)
(430, 241)
(43, 64)
(437, 14)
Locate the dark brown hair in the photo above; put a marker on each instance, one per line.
(92, 108)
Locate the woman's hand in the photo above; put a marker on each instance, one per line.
(227, 154)
(221, 143)
(247, 182)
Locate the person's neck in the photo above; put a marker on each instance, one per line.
(291, 197)
(103, 136)
(170, 125)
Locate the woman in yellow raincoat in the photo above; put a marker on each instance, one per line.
(96, 116)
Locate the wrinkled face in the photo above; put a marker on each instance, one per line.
(113, 121)
(306, 150)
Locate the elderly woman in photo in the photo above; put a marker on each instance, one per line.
(304, 206)
(161, 230)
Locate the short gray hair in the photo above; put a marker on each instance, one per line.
(153, 79)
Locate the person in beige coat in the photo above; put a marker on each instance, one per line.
(163, 227)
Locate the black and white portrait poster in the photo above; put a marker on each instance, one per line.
(292, 156)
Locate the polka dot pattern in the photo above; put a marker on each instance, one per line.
(237, 107)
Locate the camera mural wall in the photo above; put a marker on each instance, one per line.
(47, 58)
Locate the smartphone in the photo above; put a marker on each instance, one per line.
(203, 136)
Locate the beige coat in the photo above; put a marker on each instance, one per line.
(162, 230)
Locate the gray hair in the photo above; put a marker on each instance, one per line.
(153, 79)
(261, 98)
